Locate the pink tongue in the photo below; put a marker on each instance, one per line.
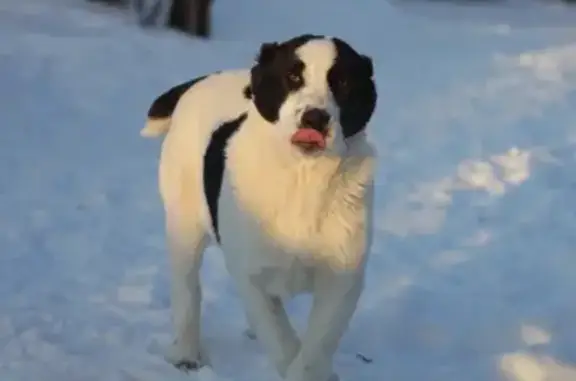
(309, 136)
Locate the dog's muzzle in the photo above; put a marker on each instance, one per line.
(313, 129)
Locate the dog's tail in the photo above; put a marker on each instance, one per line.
(160, 112)
(155, 127)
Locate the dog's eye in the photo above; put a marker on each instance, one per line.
(294, 78)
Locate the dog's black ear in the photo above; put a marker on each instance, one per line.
(267, 52)
(367, 66)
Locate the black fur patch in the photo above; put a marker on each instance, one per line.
(277, 73)
(214, 165)
(164, 105)
(351, 83)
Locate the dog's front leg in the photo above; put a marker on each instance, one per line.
(335, 300)
(271, 325)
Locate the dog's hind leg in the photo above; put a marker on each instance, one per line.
(270, 323)
(187, 240)
(186, 245)
(283, 320)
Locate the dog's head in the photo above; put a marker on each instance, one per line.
(316, 91)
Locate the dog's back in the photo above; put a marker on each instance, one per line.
(188, 114)
(207, 99)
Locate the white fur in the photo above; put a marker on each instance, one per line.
(289, 222)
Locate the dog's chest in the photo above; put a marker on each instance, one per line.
(253, 253)
(308, 210)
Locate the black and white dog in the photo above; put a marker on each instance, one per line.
(273, 165)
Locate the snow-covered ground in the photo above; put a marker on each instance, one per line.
(472, 275)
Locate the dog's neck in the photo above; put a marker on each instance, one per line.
(314, 206)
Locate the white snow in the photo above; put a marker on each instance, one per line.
(472, 275)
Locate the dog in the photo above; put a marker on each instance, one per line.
(273, 165)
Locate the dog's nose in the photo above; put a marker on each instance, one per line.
(315, 118)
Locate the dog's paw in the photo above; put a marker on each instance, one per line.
(187, 365)
(187, 361)
(249, 333)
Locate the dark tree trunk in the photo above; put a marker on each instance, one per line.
(191, 16)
